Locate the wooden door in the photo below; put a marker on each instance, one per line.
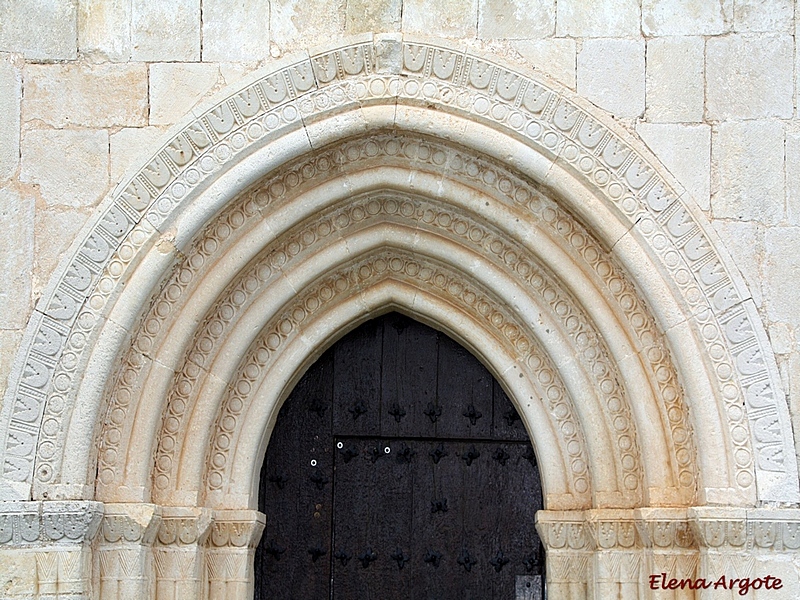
(398, 468)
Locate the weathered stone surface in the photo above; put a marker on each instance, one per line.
(605, 18)
(373, 15)
(686, 151)
(516, 19)
(556, 57)
(297, 23)
(233, 72)
(793, 366)
(235, 31)
(16, 260)
(738, 84)
(611, 74)
(39, 30)
(54, 230)
(782, 272)
(19, 569)
(165, 30)
(781, 338)
(9, 342)
(175, 88)
(686, 17)
(675, 83)
(747, 179)
(130, 146)
(763, 15)
(104, 28)
(791, 172)
(745, 243)
(440, 17)
(89, 95)
(10, 93)
(70, 167)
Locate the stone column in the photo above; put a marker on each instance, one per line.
(230, 552)
(669, 549)
(617, 560)
(568, 552)
(179, 553)
(724, 549)
(125, 551)
(45, 548)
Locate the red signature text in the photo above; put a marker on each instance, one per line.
(743, 586)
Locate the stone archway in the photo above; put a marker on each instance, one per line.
(395, 173)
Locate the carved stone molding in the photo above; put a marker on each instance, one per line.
(441, 217)
(507, 254)
(42, 523)
(295, 103)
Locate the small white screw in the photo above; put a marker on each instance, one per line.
(340, 445)
(313, 462)
(387, 450)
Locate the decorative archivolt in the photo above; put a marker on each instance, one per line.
(610, 218)
(379, 216)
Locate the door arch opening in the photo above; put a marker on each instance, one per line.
(399, 467)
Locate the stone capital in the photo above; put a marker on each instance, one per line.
(130, 523)
(51, 522)
(236, 529)
(564, 530)
(184, 526)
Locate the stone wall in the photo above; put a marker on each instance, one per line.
(87, 86)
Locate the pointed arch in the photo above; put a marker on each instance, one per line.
(678, 364)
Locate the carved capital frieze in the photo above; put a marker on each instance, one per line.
(236, 529)
(613, 529)
(777, 530)
(181, 526)
(745, 530)
(130, 523)
(723, 528)
(44, 523)
(665, 529)
(564, 531)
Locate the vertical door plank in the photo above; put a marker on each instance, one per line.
(357, 381)
(297, 507)
(507, 423)
(409, 374)
(464, 393)
(372, 504)
(436, 531)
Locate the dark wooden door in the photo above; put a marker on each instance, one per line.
(398, 468)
